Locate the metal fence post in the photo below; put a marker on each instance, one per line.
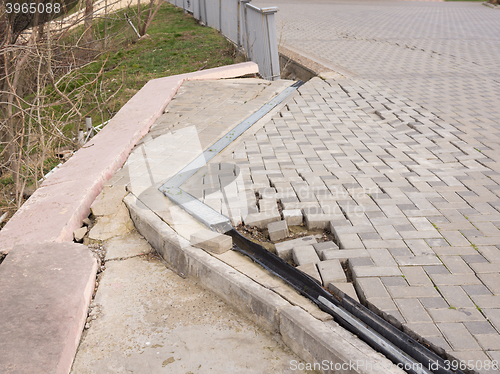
(242, 31)
(249, 27)
(220, 15)
(272, 41)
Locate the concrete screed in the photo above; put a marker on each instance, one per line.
(146, 318)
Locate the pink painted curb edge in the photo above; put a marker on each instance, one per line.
(59, 206)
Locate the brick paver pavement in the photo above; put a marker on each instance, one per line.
(412, 213)
(400, 159)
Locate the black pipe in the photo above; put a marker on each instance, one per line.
(309, 288)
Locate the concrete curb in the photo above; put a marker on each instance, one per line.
(44, 297)
(65, 196)
(324, 344)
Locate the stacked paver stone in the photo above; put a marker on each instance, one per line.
(412, 215)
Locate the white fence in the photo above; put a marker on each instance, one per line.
(247, 26)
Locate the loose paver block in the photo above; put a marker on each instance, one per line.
(284, 249)
(45, 294)
(375, 271)
(458, 336)
(262, 219)
(317, 220)
(305, 254)
(277, 230)
(267, 205)
(311, 270)
(211, 241)
(331, 272)
(345, 254)
(325, 246)
(371, 288)
(293, 217)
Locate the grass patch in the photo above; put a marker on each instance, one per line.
(175, 44)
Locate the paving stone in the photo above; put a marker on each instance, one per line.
(344, 254)
(267, 193)
(417, 260)
(479, 360)
(375, 271)
(399, 292)
(437, 269)
(324, 246)
(491, 253)
(492, 281)
(370, 288)
(387, 232)
(388, 244)
(433, 302)
(476, 290)
(486, 301)
(474, 259)
(211, 241)
(311, 270)
(349, 241)
(454, 251)
(456, 296)
(454, 279)
(293, 217)
(480, 328)
(268, 205)
(317, 221)
(458, 336)
(419, 247)
(284, 249)
(262, 219)
(455, 238)
(277, 230)
(381, 304)
(331, 272)
(456, 264)
(305, 254)
(382, 257)
(420, 234)
(394, 281)
(416, 276)
(361, 261)
(489, 342)
(455, 315)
